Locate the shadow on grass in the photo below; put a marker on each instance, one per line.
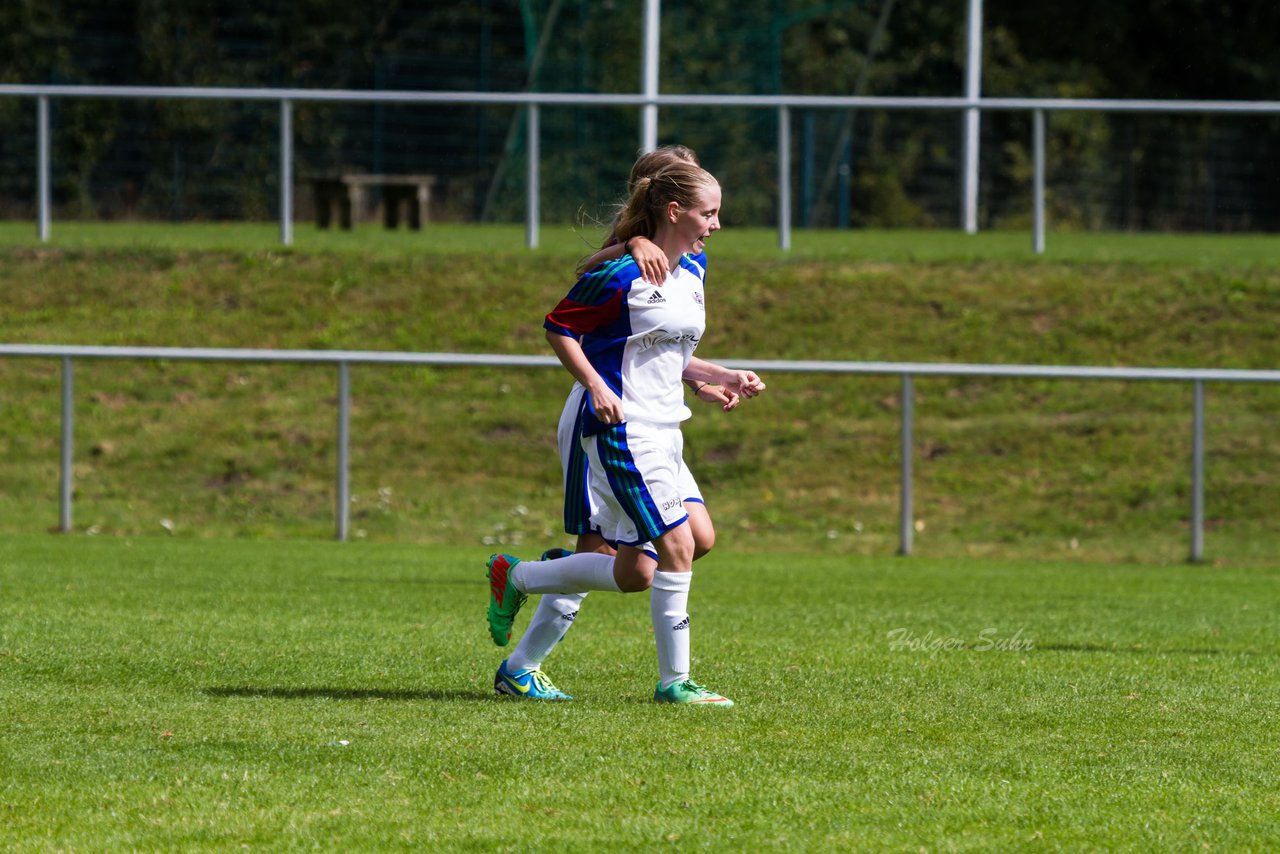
(276, 693)
(433, 582)
(1134, 650)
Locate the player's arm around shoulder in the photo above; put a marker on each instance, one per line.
(651, 260)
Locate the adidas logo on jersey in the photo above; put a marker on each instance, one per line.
(656, 298)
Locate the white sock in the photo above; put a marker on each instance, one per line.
(669, 609)
(552, 618)
(577, 573)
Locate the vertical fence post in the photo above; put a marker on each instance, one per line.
(286, 172)
(784, 177)
(972, 119)
(907, 513)
(1037, 239)
(534, 153)
(44, 198)
(68, 431)
(1197, 474)
(649, 67)
(344, 441)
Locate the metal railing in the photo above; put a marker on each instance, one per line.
(908, 371)
(1040, 108)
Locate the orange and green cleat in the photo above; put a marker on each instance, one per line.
(690, 693)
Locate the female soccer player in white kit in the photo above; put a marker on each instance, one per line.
(628, 343)
(520, 674)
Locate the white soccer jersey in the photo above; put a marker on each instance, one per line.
(639, 337)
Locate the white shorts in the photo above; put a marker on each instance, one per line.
(573, 465)
(638, 482)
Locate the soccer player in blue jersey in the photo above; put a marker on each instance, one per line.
(520, 674)
(628, 343)
(653, 264)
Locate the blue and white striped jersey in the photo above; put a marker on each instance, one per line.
(638, 337)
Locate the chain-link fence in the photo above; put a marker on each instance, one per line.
(181, 160)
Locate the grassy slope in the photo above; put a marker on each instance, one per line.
(1004, 467)
(181, 695)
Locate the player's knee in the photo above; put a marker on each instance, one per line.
(704, 533)
(637, 585)
(703, 544)
(634, 580)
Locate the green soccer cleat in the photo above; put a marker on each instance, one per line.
(529, 685)
(555, 554)
(504, 599)
(690, 693)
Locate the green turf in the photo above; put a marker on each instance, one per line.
(162, 694)
(582, 238)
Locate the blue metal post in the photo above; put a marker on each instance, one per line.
(1037, 240)
(784, 178)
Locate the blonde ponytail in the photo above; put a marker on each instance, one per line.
(681, 183)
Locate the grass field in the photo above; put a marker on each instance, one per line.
(220, 695)
(557, 239)
(1066, 470)
(196, 669)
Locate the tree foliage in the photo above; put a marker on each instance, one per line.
(209, 159)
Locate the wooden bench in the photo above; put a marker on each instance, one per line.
(350, 194)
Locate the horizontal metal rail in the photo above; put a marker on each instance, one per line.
(384, 357)
(531, 102)
(328, 357)
(625, 99)
(343, 359)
